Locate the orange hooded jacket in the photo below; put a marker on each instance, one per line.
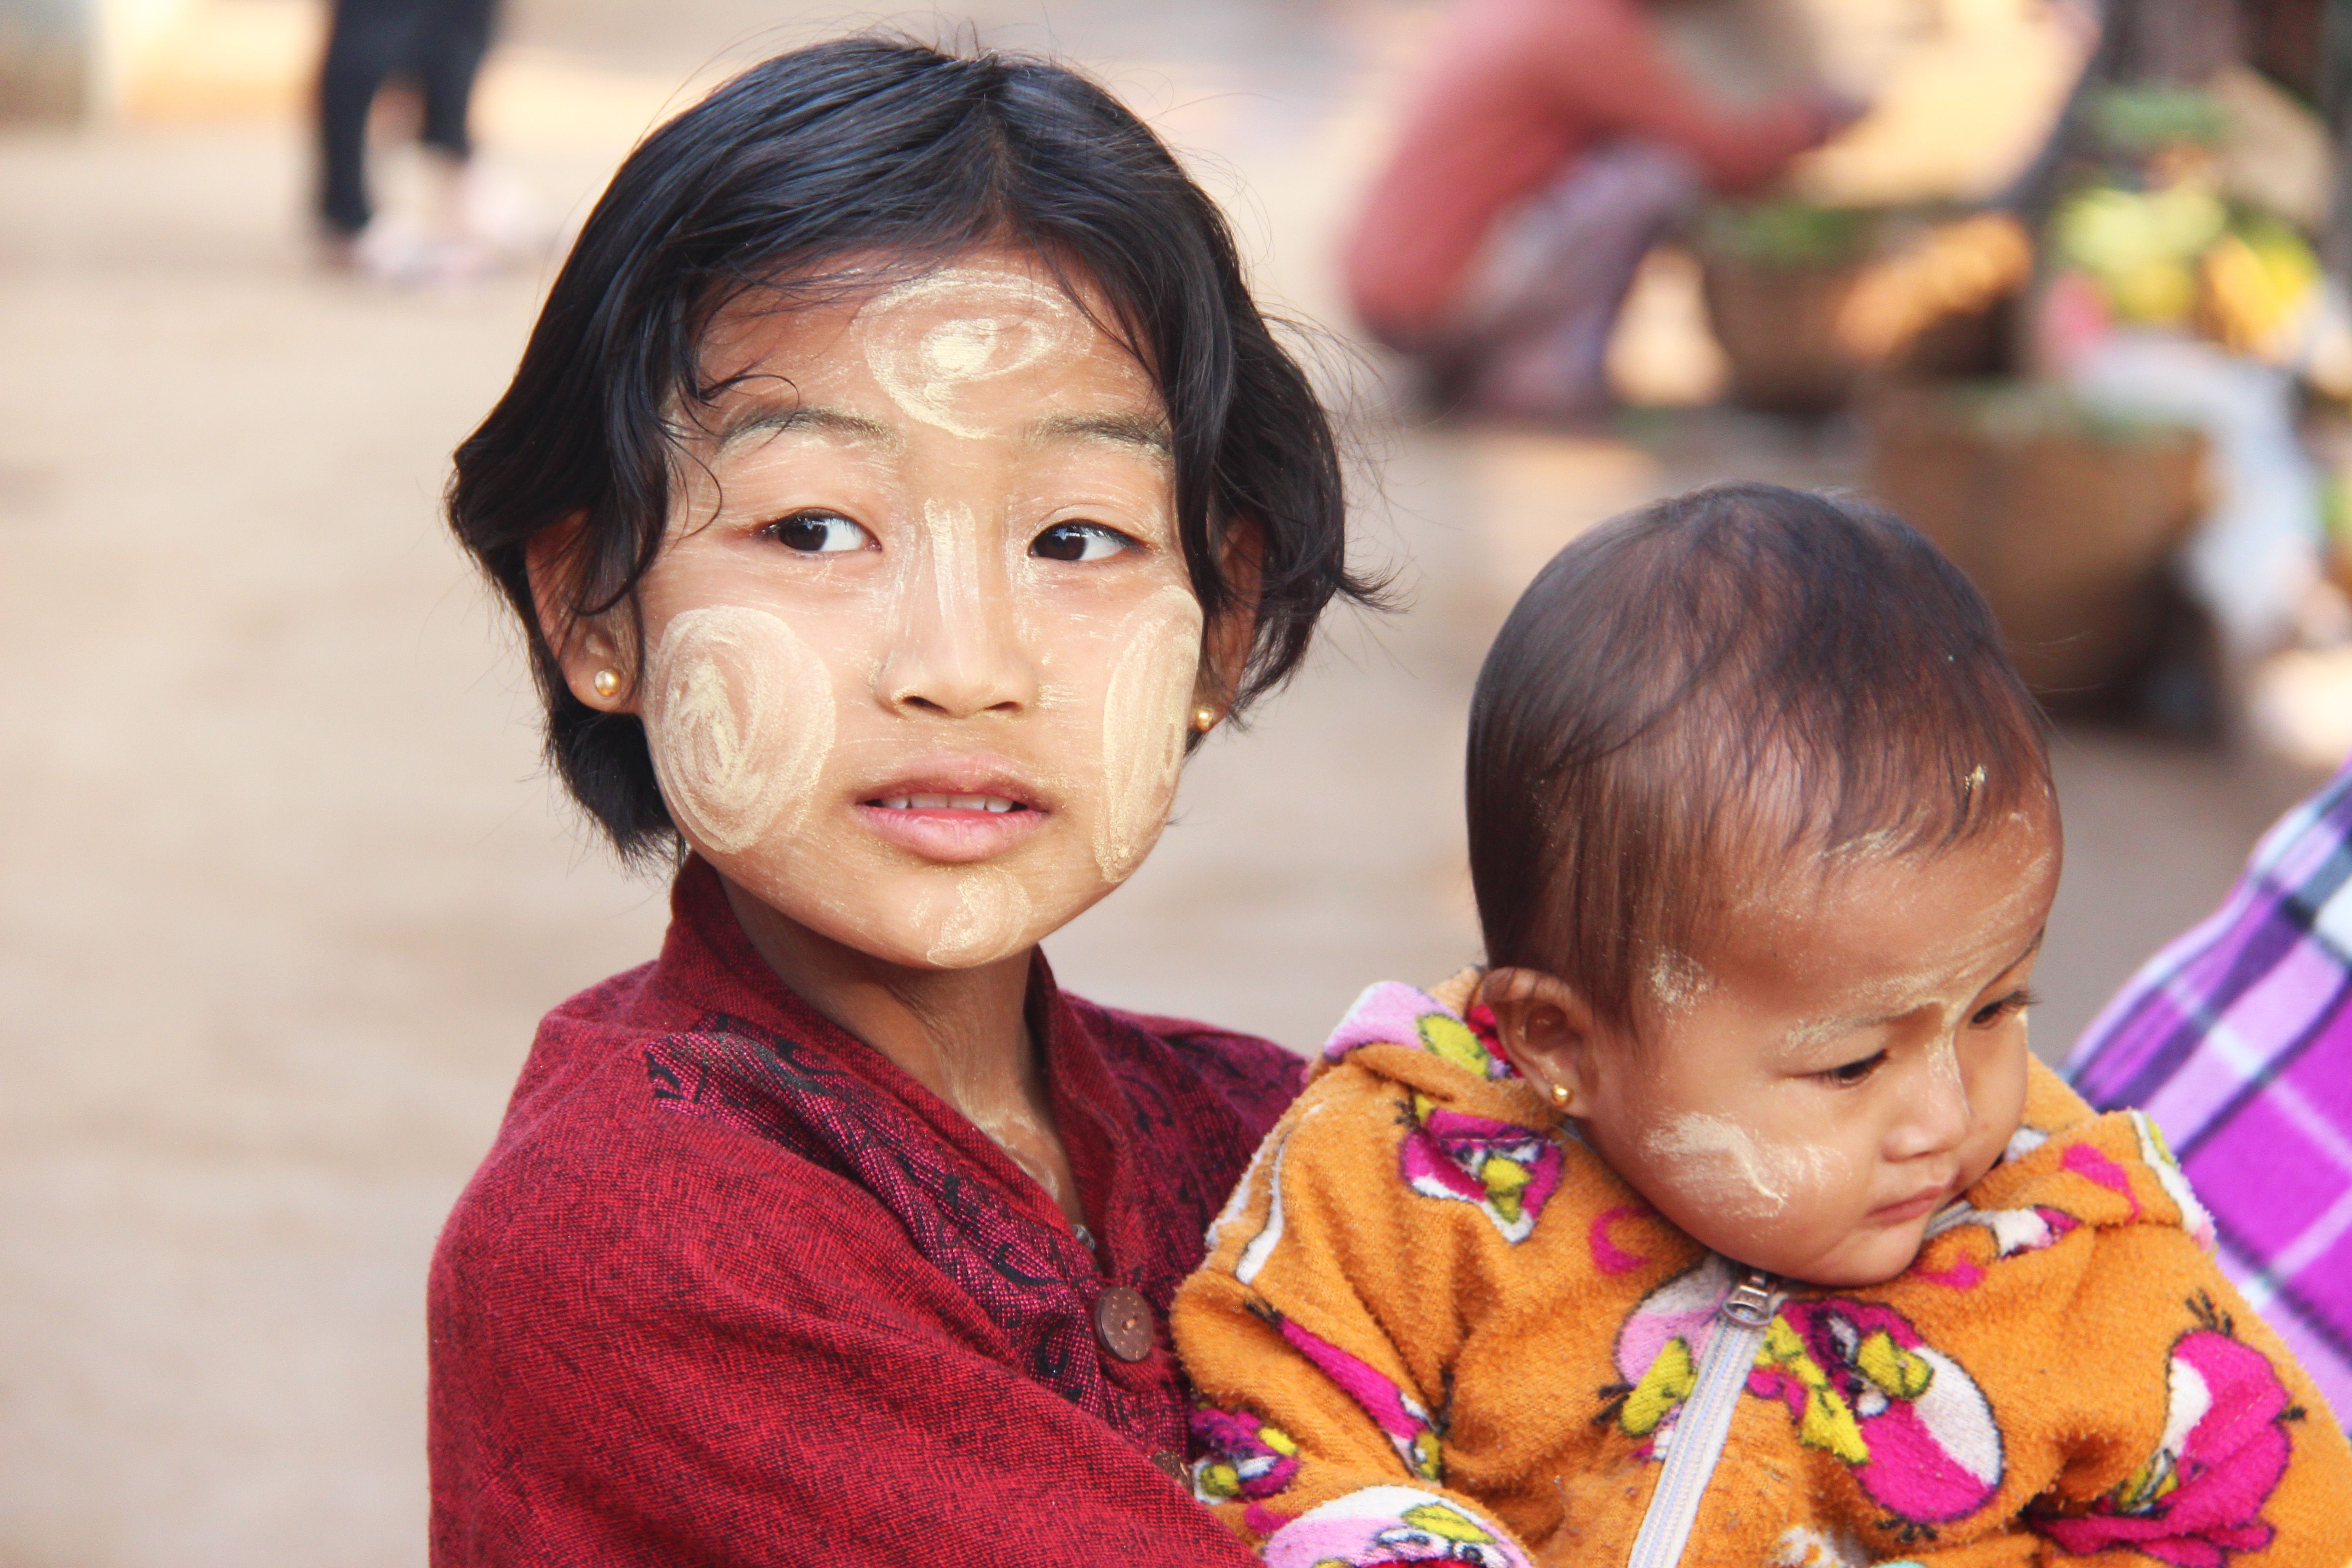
(1434, 1327)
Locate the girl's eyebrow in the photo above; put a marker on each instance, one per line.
(776, 420)
(1126, 429)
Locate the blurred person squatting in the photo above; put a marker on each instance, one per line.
(899, 483)
(1728, 1220)
(1549, 144)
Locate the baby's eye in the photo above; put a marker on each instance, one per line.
(818, 533)
(1851, 1073)
(1080, 542)
(1992, 1013)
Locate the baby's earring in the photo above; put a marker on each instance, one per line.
(1559, 1096)
(607, 682)
(1205, 719)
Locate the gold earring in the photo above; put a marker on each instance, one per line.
(1205, 719)
(1559, 1095)
(607, 682)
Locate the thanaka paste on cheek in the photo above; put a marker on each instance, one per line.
(1144, 727)
(1747, 1177)
(740, 713)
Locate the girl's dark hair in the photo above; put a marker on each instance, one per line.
(829, 157)
(1692, 691)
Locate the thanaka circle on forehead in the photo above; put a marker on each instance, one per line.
(998, 323)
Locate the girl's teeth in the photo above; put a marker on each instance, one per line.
(987, 803)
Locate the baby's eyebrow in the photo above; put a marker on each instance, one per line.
(1126, 429)
(776, 419)
(2029, 949)
(1821, 1029)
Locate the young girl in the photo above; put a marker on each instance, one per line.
(1727, 1219)
(898, 479)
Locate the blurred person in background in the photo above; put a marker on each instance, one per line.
(437, 46)
(1550, 143)
(2237, 1039)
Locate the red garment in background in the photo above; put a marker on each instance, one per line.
(1519, 89)
(731, 1289)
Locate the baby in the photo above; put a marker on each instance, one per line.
(1726, 1218)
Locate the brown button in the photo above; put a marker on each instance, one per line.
(1169, 1463)
(1123, 1322)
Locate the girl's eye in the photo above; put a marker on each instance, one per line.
(1080, 542)
(1852, 1073)
(818, 533)
(1992, 1013)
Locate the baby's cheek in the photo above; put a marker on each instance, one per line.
(1742, 1170)
(1828, 1192)
(1997, 1092)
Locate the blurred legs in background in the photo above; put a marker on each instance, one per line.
(1528, 336)
(437, 46)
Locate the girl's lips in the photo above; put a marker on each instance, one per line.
(951, 828)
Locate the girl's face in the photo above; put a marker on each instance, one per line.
(921, 646)
(1853, 1057)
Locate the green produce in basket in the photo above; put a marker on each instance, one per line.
(1787, 234)
(2135, 122)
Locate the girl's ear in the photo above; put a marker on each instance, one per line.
(596, 665)
(1549, 1034)
(1225, 641)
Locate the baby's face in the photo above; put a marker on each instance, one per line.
(920, 646)
(1851, 1058)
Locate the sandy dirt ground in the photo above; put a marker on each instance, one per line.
(282, 890)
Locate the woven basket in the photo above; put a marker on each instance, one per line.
(2065, 522)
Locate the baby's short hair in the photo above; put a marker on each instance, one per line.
(1693, 691)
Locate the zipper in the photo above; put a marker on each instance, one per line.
(1696, 1442)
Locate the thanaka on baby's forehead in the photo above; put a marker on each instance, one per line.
(1750, 878)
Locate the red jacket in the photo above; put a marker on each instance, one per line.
(731, 1289)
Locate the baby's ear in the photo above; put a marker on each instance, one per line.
(596, 662)
(1548, 1032)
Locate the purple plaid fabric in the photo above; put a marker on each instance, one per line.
(2237, 1039)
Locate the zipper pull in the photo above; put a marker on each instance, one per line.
(1749, 1305)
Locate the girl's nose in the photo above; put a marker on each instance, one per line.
(954, 648)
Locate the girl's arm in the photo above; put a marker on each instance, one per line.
(1321, 1438)
(656, 1355)
(2247, 1463)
